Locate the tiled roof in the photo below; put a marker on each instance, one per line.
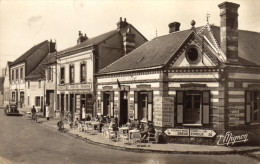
(158, 51)
(151, 54)
(28, 53)
(39, 71)
(91, 41)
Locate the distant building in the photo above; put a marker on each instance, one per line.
(77, 65)
(23, 67)
(189, 83)
(2, 91)
(6, 84)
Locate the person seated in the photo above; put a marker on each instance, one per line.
(150, 130)
(88, 118)
(144, 128)
(77, 122)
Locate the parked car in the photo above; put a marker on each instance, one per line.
(11, 110)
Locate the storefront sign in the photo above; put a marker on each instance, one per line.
(80, 86)
(202, 133)
(229, 138)
(177, 132)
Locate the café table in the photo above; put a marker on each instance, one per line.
(134, 135)
(123, 133)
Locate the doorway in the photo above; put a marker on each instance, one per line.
(123, 108)
(106, 103)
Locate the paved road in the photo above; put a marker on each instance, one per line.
(24, 142)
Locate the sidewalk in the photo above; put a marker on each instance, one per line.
(169, 148)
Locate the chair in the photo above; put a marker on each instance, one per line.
(153, 138)
(123, 135)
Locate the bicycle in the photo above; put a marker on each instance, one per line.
(34, 117)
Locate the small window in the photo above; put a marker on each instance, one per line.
(83, 72)
(192, 55)
(12, 74)
(62, 75)
(21, 73)
(37, 101)
(28, 84)
(17, 74)
(71, 73)
(28, 100)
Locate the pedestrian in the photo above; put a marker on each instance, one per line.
(33, 112)
(47, 112)
(83, 112)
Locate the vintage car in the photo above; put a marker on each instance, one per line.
(11, 110)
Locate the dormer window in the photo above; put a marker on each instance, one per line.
(193, 55)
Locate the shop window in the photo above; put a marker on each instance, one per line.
(62, 75)
(82, 72)
(21, 73)
(143, 105)
(192, 107)
(252, 106)
(71, 75)
(37, 101)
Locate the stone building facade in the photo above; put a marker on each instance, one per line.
(196, 85)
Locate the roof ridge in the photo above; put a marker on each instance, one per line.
(27, 55)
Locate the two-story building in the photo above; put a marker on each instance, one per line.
(195, 85)
(21, 68)
(76, 65)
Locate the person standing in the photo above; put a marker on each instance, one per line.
(83, 113)
(47, 112)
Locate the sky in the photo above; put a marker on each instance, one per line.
(25, 23)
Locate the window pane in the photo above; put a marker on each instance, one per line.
(206, 97)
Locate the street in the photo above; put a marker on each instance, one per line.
(30, 143)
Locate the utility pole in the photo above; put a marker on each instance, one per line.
(56, 83)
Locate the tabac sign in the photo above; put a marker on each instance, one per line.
(229, 138)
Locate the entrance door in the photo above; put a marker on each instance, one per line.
(106, 103)
(192, 108)
(143, 105)
(123, 108)
(62, 104)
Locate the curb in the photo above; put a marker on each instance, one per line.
(140, 150)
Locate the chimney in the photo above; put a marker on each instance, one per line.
(121, 24)
(174, 27)
(128, 41)
(81, 38)
(229, 30)
(52, 46)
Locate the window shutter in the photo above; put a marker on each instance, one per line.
(179, 104)
(150, 106)
(136, 105)
(205, 107)
(248, 107)
(102, 103)
(112, 103)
